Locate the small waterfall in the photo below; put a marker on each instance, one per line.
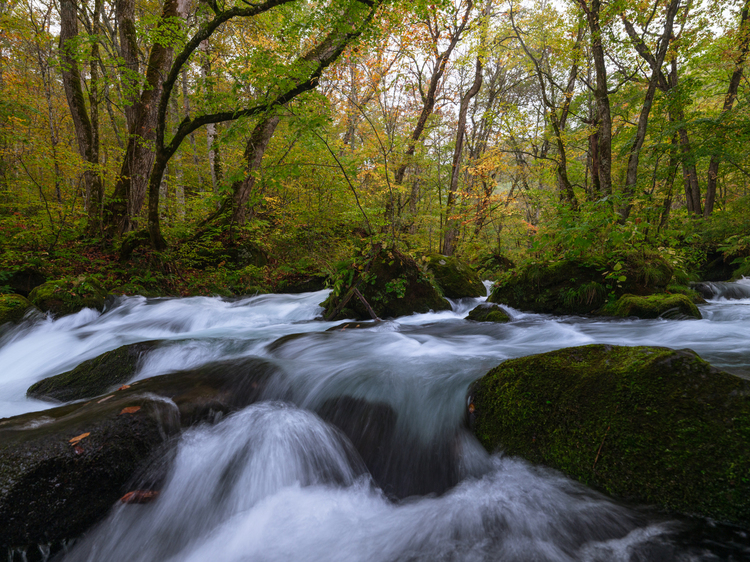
(724, 290)
(220, 472)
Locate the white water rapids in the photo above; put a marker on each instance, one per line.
(275, 482)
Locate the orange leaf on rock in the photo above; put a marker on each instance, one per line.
(130, 410)
(123, 387)
(105, 399)
(77, 438)
(140, 496)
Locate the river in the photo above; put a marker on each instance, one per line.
(276, 482)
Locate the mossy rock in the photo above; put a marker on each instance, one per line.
(13, 308)
(655, 306)
(394, 285)
(93, 377)
(454, 278)
(646, 424)
(302, 283)
(24, 280)
(562, 287)
(61, 470)
(69, 295)
(488, 312)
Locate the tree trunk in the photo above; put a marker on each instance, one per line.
(254, 151)
(631, 179)
(601, 96)
(130, 188)
(451, 223)
(86, 137)
(734, 83)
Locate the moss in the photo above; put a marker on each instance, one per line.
(552, 288)
(69, 295)
(647, 424)
(488, 313)
(394, 285)
(13, 308)
(454, 278)
(93, 377)
(686, 290)
(654, 306)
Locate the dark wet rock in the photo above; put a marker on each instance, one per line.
(24, 280)
(719, 290)
(647, 424)
(302, 284)
(13, 308)
(69, 295)
(95, 376)
(655, 306)
(361, 325)
(390, 281)
(718, 267)
(402, 465)
(488, 312)
(62, 469)
(455, 278)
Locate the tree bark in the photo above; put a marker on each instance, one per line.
(631, 179)
(130, 188)
(254, 151)
(86, 137)
(601, 96)
(451, 223)
(734, 83)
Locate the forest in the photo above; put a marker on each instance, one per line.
(213, 147)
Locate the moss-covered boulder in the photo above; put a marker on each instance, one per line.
(654, 306)
(13, 308)
(69, 295)
(647, 424)
(390, 281)
(95, 376)
(62, 469)
(561, 287)
(488, 312)
(454, 278)
(573, 287)
(23, 280)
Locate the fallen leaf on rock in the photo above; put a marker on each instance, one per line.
(130, 410)
(105, 398)
(78, 449)
(123, 387)
(140, 496)
(77, 438)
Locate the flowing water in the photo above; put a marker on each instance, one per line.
(277, 482)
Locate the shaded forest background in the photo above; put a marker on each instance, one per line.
(205, 147)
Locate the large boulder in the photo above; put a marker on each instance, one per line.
(62, 469)
(69, 295)
(95, 376)
(24, 279)
(647, 424)
(488, 312)
(455, 279)
(573, 287)
(13, 308)
(390, 281)
(655, 306)
(562, 287)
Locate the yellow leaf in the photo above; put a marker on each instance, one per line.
(77, 438)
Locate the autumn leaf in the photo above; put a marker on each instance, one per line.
(130, 410)
(105, 399)
(123, 387)
(77, 438)
(140, 496)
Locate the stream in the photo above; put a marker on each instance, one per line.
(274, 482)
